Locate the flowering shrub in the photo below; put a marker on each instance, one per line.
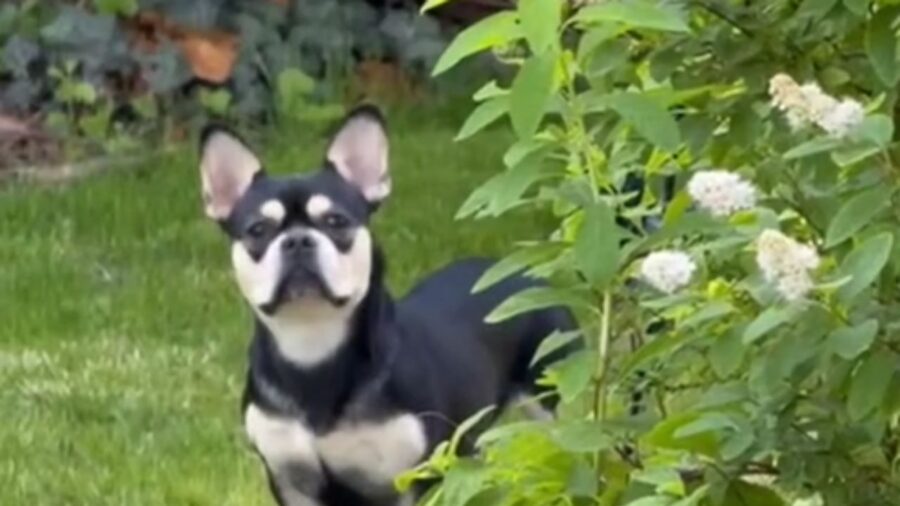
(756, 360)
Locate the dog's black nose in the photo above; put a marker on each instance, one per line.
(298, 243)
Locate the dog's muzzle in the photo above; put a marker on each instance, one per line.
(301, 276)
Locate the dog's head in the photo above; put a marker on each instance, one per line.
(301, 241)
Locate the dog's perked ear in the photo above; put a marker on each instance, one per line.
(227, 167)
(359, 153)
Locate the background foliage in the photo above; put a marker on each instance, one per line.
(724, 393)
(104, 73)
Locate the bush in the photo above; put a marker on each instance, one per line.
(724, 177)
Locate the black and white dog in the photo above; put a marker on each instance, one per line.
(346, 388)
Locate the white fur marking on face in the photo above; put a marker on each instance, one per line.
(257, 280)
(274, 210)
(347, 274)
(380, 451)
(317, 205)
(308, 332)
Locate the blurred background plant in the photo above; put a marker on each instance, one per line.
(81, 79)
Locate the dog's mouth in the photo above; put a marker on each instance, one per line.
(299, 285)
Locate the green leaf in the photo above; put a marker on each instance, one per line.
(516, 262)
(708, 422)
(635, 14)
(664, 344)
(540, 19)
(432, 4)
(869, 385)
(572, 375)
(726, 354)
(815, 9)
(116, 7)
(534, 298)
(555, 341)
(294, 88)
(769, 320)
(864, 264)
(503, 191)
(856, 213)
(851, 155)
(531, 91)
(695, 498)
(522, 148)
(656, 500)
(489, 90)
(742, 493)
(735, 443)
(503, 432)
(597, 246)
(710, 311)
(813, 147)
(486, 113)
(877, 129)
(649, 118)
(858, 7)
(881, 44)
(582, 480)
(581, 436)
(494, 30)
(467, 425)
(666, 480)
(851, 342)
(663, 435)
(463, 482)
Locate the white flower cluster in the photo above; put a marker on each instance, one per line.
(668, 270)
(808, 104)
(786, 263)
(720, 192)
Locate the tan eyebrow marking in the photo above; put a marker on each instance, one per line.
(317, 205)
(273, 210)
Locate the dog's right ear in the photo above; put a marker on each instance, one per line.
(227, 167)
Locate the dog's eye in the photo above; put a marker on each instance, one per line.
(335, 220)
(257, 230)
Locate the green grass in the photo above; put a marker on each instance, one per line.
(123, 338)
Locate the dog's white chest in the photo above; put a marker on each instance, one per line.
(374, 451)
(377, 450)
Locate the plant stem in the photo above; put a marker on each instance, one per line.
(599, 409)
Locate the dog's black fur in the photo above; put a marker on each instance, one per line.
(429, 356)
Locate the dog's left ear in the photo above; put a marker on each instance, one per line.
(227, 168)
(359, 152)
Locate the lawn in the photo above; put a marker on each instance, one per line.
(123, 341)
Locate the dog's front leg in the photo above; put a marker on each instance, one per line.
(295, 485)
(287, 449)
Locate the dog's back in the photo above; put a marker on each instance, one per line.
(477, 363)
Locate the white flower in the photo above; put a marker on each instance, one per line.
(818, 103)
(721, 193)
(790, 99)
(786, 263)
(843, 118)
(808, 104)
(668, 270)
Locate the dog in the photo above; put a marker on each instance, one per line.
(346, 387)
